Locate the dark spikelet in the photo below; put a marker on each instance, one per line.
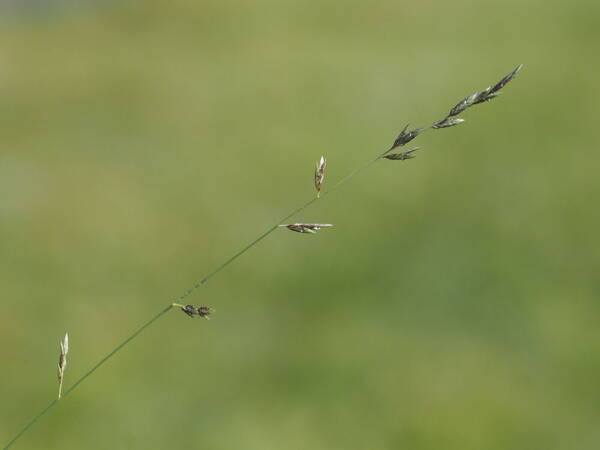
(398, 140)
(487, 98)
(190, 310)
(404, 137)
(200, 311)
(471, 100)
(401, 156)
(461, 106)
(204, 311)
(504, 81)
(480, 96)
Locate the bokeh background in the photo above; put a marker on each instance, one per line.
(454, 305)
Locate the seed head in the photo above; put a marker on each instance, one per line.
(306, 227)
(320, 174)
(486, 95)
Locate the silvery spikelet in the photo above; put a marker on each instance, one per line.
(320, 174)
(448, 122)
(62, 362)
(306, 227)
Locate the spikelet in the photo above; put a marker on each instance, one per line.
(306, 227)
(405, 137)
(200, 311)
(62, 362)
(406, 154)
(447, 122)
(320, 174)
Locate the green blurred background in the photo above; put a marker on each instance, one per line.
(455, 304)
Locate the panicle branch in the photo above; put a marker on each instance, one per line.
(450, 120)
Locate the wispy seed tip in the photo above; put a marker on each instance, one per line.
(485, 95)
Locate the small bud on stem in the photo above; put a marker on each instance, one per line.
(320, 174)
(62, 362)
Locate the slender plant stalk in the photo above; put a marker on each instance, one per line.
(404, 137)
(186, 294)
(87, 374)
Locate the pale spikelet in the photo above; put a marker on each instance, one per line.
(406, 154)
(320, 174)
(306, 227)
(200, 311)
(62, 362)
(448, 122)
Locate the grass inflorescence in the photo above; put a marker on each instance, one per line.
(192, 311)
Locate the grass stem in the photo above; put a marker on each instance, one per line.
(184, 295)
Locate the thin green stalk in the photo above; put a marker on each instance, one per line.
(30, 424)
(185, 294)
(87, 374)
